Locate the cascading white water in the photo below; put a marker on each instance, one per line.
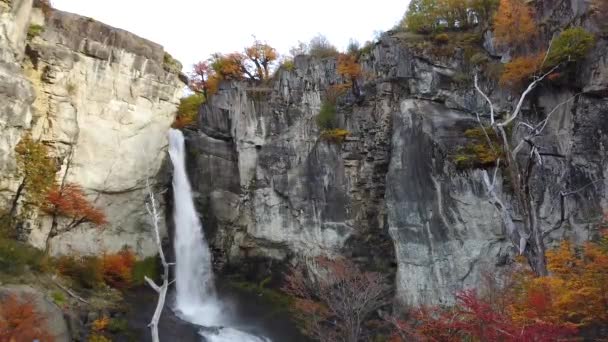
(195, 297)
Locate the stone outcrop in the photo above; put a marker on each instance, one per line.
(16, 94)
(102, 100)
(392, 194)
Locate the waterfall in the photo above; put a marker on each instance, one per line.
(195, 296)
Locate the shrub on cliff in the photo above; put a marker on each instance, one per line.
(320, 47)
(326, 119)
(187, 111)
(37, 168)
(570, 46)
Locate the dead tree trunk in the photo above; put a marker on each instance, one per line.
(162, 289)
(527, 237)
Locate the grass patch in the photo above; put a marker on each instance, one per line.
(34, 31)
(279, 301)
(59, 298)
(16, 258)
(147, 267)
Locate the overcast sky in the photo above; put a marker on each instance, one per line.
(193, 29)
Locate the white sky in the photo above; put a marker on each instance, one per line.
(191, 30)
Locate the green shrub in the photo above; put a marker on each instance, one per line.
(34, 31)
(16, 258)
(171, 64)
(58, 298)
(118, 325)
(147, 267)
(288, 64)
(570, 46)
(187, 111)
(326, 119)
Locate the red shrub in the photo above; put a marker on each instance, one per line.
(19, 321)
(70, 201)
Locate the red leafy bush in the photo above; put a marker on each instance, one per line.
(19, 321)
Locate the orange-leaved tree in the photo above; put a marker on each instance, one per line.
(514, 22)
(517, 72)
(473, 318)
(19, 320)
(575, 292)
(118, 268)
(69, 201)
(349, 68)
(261, 55)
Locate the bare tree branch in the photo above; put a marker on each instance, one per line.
(162, 290)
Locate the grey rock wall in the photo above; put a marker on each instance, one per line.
(392, 196)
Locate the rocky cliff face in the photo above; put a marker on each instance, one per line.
(102, 100)
(393, 194)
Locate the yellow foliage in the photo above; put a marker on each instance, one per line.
(575, 292)
(336, 135)
(100, 324)
(37, 167)
(348, 66)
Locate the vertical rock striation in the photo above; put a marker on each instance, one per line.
(393, 193)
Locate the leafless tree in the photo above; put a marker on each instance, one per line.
(527, 237)
(334, 298)
(152, 209)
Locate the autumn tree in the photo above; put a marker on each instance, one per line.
(69, 201)
(473, 318)
(20, 321)
(198, 78)
(334, 298)
(37, 167)
(573, 293)
(261, 55)
(517, 72)
(349, 68)
(514, 23)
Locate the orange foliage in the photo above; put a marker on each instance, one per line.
(101, 324)
(182, 121)
(514, 22)
(348, 66)
(575, 292)
(19, 321)
(520, 69)
(118, 268)
(261, 55)
(70, 201)
(228, 67)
